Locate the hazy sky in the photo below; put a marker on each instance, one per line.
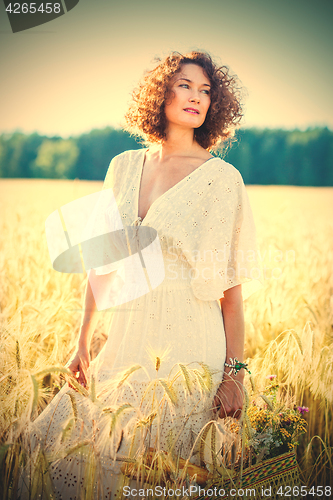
(76, 73)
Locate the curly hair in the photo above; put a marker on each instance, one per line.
(145, 116)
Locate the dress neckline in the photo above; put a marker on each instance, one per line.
(142, 162)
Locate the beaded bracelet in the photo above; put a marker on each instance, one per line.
(236, 366)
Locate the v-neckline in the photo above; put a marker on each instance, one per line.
(144, 151)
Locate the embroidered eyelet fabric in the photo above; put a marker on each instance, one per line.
(207, 235)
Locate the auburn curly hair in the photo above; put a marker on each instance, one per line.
(145, 116)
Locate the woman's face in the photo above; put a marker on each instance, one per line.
(190, 97)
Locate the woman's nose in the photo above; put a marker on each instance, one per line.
(195, 97)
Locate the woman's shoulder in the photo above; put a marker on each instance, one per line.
(224, 170)
(122, 165)
(130, 154)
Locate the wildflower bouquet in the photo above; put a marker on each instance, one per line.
(273, 427)
(265, 461)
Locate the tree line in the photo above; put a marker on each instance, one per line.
(263, 156)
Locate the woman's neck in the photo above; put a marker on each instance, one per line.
(179, 142)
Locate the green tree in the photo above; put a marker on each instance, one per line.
(97, 148)
(268, 156)
(55, 159)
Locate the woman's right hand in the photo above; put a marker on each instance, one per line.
(79, 365)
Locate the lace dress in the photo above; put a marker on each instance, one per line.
(156, 376)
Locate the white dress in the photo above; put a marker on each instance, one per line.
(174, 333)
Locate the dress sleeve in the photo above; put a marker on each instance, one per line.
(104, 220)
(226, 252)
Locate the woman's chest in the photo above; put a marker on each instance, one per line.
(159, 179)
(173, 199)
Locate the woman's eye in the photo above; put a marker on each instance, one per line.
(207, 92)
(185, 85)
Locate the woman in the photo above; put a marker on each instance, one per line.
(194, 319)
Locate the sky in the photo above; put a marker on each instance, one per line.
(76, 73)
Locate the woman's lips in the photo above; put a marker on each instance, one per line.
(192, 111)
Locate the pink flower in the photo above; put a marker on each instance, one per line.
(271, 377)
(302, 409)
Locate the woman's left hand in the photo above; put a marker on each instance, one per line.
(229, 398)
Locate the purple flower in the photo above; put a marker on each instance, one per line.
(302, 409)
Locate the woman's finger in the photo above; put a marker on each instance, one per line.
(74, 368)
(237, 414)
(69, 383)
(216, 404)
(83, 374)
(227, 404)
(222, 408)
(78, 373)
(82, 378)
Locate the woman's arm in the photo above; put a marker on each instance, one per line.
(81, 360)
(229, 397)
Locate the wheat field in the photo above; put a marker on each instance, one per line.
(289, 322)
